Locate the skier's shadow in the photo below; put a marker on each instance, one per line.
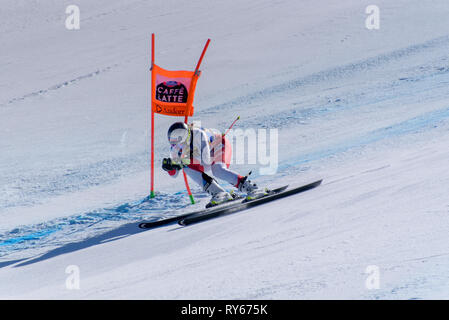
(121, 232)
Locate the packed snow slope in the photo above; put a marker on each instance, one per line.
(366, 110)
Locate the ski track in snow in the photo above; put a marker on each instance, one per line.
(57, 86)
(416, 84)
(441, 43)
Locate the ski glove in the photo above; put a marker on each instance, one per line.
(169, 165)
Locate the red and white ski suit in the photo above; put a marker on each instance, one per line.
(206, 151)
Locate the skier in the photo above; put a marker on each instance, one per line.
(199, 150)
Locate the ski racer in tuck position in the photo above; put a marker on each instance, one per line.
(199, 150)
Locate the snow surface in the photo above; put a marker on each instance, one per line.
(366, 110)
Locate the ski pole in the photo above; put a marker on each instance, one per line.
(230, 127)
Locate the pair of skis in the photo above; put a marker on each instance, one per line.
(229, 207)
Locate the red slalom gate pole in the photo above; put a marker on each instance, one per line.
(152, 195)
(196, 74)
(192, 200)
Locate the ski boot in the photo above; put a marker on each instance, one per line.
(251, 189)
(219, 195)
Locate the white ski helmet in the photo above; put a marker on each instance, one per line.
(178, 132)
